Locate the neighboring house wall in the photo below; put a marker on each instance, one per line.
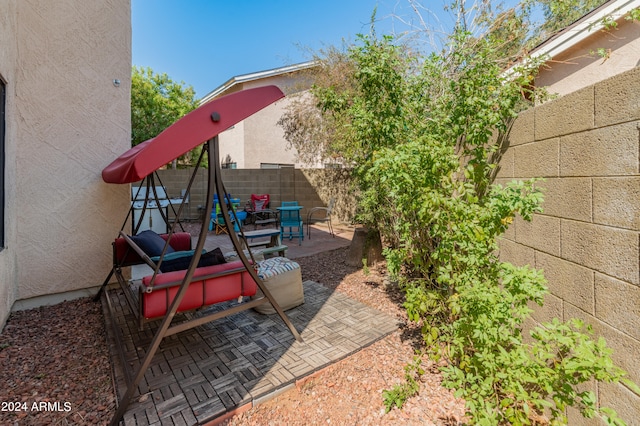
(66, 121)
(579, 66)
(264, 140)
(259, 139)
(587, 145)
(232, 145)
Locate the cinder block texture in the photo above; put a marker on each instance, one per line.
(574, 418)
(515, 253)
(621, 399)
(611, 251)
(618, 99)
(510, 233)
(616, 201)
(568, 198)
(505, 166)
(537, 159)
(542, 233)
(569, 114)
(587, 145)
(522, 129)
(311, 188)
(529, 324)
(570, 282)
(625, 348)
(601, 152)
(618, 304)
(551, 308)
(503, 181)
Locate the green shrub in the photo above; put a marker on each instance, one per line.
(398, 395)
(424, 135)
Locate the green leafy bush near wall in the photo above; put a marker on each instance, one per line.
(422, 135)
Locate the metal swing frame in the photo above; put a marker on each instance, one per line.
(214, 185)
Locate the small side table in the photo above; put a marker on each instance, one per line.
(273, 234)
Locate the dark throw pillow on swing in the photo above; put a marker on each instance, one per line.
(213, 257)
(151, 243)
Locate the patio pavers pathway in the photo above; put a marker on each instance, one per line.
(203, 373)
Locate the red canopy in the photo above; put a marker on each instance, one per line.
(195, 128)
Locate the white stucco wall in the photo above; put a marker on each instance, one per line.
(67, 121)
(578, 67)
(264, 140)
(8, 53)
(232, 144)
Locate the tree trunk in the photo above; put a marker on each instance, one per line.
(366, 246)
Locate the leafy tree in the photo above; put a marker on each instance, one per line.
(309, 132)
(156, 103)
(422, 133)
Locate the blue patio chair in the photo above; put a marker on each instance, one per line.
(291, 219)
(217, 221)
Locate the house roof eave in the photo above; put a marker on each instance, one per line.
(243, 78)
(584, 27)
(578, 31)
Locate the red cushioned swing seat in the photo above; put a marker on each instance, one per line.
(209, 284)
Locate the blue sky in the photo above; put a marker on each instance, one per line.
(205, 43)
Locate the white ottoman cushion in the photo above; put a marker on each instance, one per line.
(283, 279)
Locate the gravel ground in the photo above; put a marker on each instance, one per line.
(350, 391)
(54, 366)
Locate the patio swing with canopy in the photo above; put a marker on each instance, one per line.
(203, 125)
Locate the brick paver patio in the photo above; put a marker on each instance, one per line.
(203, 373)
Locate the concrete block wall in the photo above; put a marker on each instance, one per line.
(587, 147)
(309, 187)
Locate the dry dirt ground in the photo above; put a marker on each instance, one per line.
(54, 366)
